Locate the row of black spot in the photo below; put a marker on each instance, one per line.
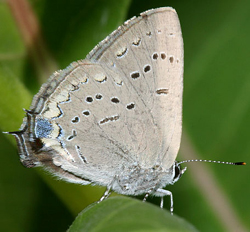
(115, 100)
(136, 74)
(86, 113)
(90, 99)
(147, 67)
(155, 56)
(138, 41)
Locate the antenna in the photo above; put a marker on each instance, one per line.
(212, 161)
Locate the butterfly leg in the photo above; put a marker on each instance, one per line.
(147, 194)
(161, 205)
(164, 192)
(105, 195)
(108, 190)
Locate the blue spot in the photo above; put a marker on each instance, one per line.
(43, 128)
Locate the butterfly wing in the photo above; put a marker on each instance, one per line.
(121, 105)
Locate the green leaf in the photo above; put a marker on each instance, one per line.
(126, 214)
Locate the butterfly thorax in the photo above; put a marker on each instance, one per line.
(136, 180)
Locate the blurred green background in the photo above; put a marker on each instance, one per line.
(216, 110)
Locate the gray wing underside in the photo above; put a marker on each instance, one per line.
(123, 103)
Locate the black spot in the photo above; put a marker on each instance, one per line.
(137, 43)
(89, 99)
(84, 81)
(119, 83)
(86, 113)
(108, 119)
(73, 135)
(122, 53)
(102, 80)
(162, 91)
(135, 75)
(75, 87)
(171, 59)
(149, 33)
(36, 145)
(75, 119)
(147, 68)
(115, 100)
(98, 96)
(163, 56)
(155, 56)
(130, 106)
(78, 150)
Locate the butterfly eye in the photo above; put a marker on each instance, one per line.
(177, 172)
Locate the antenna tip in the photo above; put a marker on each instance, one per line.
(240, 163)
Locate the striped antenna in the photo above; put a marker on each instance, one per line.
(212, 161)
